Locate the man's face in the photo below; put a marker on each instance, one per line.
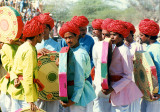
(144, 38)
(129, 38)
(40, 37)
(115, 38)
(97, 32)
(83, 31)
(46, 33)
(71, 39)
(105, 34)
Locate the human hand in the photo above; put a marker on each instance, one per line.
(17, 82)
(33, 107)
(70, 102)
(107, 91)
(43, 51)
(155, 96)
(57, 62)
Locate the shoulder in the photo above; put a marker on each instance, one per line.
(27, 48)
(52, 41)
(81, 53)
(98, 45)
(124, 49)
(154, 48)
(6, 46)
(89, 38)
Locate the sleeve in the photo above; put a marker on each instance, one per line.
(155, 54)
(58, 47)
(127, 73)
(91, 54)
(6, 58)
(94, 54)
(82, 67)
(28, 75)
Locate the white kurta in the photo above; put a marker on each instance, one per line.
(101, 103)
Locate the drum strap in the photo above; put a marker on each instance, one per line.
(71, 83)
(7, 75)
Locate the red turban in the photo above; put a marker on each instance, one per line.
(33, 28)
(46, 19)
(118, 26)
(149, 27)
(105, 23)
(69, 27)
(80, 21)
(97, 23)
(130, 26)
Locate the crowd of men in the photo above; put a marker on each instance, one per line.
(19, 59)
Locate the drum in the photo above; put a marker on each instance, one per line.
(105, 61)
(63, 74)
(48, 75)
(28, 110)
(145, 74)
(11, 24)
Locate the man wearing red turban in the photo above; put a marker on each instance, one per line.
(85, 40)
(80, 91)
(105, 32)
(97, 55)
(47, 45)
(132, 29)
(97, 30)
(25, 67)
(148, 34)
(123, 89)
(129, 41)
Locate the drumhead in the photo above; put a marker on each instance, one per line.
(11, 24)
(48, 75)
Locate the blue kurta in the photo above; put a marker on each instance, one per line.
(87, 43)
(78, 70)
(49, 44)
(154, 50)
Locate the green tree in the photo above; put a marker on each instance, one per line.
(92, 9)
(148, 8)
(59, 8)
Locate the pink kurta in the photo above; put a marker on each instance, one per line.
(125, 90)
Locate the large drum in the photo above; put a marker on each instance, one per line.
(11, 24)
(48, 75)
(145, 74)
(105, 62)
(63, 55)
(28, 110)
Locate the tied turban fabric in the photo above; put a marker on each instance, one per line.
(46, 19)
(69, 27)
(149, 27)
(80, 21)
(97, 23)
(130, 26)
(118, 26)
(105, 23)
(33, 28)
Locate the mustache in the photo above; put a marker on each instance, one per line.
(69, 42)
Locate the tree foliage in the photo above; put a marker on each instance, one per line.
(93, 9)
(59, 8)
(147, 8)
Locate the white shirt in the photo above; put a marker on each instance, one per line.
(97, 54)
